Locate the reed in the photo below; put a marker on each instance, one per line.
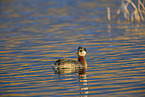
(108, 14)
(134, 15)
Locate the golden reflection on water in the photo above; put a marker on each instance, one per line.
(108, 77)
(30, 45)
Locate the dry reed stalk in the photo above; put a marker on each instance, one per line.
(136, 13)
(118, 11)
(141, 15)
(108, 14)
(132, 17)
(141, 4)
(126, 11)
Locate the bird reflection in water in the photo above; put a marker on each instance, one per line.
(83, 82)
(66, 74)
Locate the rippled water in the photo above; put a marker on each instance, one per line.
(35, 33)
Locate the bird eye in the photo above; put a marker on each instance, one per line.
(81, 50)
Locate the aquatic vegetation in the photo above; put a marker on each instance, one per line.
(130, 11)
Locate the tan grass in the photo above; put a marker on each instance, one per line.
(135, 15)
(108, 14)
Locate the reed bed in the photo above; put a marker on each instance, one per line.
(130, 11)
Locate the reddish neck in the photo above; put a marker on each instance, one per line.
(82, 60)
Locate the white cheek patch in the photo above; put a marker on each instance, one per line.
(83, 53)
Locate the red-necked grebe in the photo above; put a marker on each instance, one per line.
(72, 64)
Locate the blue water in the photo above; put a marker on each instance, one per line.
(35, 33)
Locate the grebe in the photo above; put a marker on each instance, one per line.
(71, 64)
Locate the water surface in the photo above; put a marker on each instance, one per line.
(35, 33)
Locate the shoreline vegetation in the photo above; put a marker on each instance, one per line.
(130, 11)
